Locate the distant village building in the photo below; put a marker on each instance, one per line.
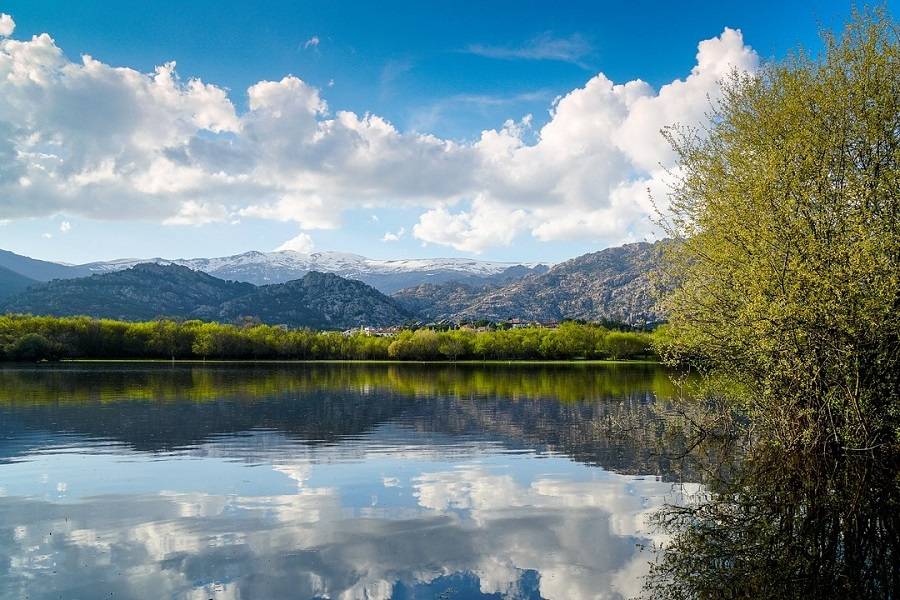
(443, 326)
(376, 331)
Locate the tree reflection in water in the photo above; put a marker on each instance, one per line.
(337, 481)
(768, 523)
(808, 522)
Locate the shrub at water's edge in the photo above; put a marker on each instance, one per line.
(786, 278)
(786, 266)
(29, 338)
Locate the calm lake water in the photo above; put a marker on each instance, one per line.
(330, 481)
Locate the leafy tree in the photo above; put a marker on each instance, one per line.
(454, 344)
(624, 344)
(169, 339)
(31, 347)
(786, 214)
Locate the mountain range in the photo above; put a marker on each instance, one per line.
(609, 285)
(148, 290)
(262, 268)
(39, 270)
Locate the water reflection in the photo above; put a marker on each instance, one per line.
(812, 521)
(575, 410)
(330, 481)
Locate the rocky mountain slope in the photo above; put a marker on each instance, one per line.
(320, 300)
(613, 284)
(143, 292)
(438, 302)
(148, 291)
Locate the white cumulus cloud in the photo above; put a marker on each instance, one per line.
(594, 164)
(89, 139)
(303, 244)
(483, 225)
(391, 236)
(7, 25)
(197, 213)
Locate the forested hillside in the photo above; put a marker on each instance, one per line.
(12, 283)
(148, 291)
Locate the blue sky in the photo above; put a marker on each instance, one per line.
(438, 73)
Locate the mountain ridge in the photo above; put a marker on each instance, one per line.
(262, 268)
(322, 300)
(39, 270)
(609, 285)
(144, 292)
(148, 291)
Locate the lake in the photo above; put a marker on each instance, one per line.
(332, 481)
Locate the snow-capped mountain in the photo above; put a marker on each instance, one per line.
(387, 276)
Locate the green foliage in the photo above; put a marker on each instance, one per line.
(786, 278)
(787, 266)
(31, 347)
(84, 337)
(622, 343)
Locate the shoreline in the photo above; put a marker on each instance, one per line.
(201, 362)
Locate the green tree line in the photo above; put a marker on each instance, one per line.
(33, 338)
